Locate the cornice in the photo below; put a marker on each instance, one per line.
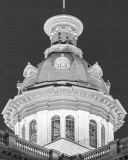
(62, 47)
(65, 20)
(76, 98)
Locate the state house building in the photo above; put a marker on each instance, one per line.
(63, 109)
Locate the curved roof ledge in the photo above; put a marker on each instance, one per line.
(64, 19)
(62, 47)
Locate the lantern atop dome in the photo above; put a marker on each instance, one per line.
(63, 29)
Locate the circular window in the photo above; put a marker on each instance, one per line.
(62, 63)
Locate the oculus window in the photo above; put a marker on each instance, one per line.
(62, 63)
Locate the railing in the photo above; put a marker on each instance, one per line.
(97, 153)
(2, 139)
(123, 144)
(11, 140)
(32, 148)
(112, 150)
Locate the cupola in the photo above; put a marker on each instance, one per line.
(63, 31)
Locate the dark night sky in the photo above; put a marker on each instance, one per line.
(104, 40)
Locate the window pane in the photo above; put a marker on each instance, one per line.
(70, 128)
(93, 134)
(33, 131)
(23, 132)
(55, 127)
(102, 135)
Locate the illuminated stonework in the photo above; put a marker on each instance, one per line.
(63, 21)
(62, 63)
(63, 96)
(95, 71)
(29, 70)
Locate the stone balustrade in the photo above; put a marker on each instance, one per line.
(10, 141)
(2, 139)
(26, 146)
(97, 154)
(114, 150)
(123, 144)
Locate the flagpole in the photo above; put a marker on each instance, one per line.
(63, 5)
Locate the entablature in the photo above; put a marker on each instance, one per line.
(75, 98)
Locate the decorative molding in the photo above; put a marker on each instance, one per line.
(58, 20)
(29, 71)
(62, 63)
(95, 71)
(73, 97)
(67, 29)
(61, 48)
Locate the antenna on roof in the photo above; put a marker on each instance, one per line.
(63, 5)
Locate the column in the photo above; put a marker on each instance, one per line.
(39, 128)
(45, 128)
(98, 132)
(62, 127)
(112, 134)
(16, 128)
(86, 128)
(109, 132)
(99, 135)
(81, 125)
(27, 130)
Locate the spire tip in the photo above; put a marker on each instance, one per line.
(63, 5)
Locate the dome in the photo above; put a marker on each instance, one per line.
(63, 59)
(64, 96)
(68, 67)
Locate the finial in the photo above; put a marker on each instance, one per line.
(63, 5)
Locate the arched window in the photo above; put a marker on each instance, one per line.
(33, 131)
(102, 135)
(55, 127)
(23, 132)
(70, 128)
(93, 134)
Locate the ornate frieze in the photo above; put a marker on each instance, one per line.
(70, 96)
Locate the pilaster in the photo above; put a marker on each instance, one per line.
(17, 128)
(81, 126)
(45, 131)
(39, 128)
(62, 129)
(86, 129)
(99, 135)
(109, 132)
(98, 132)
(27, 131)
